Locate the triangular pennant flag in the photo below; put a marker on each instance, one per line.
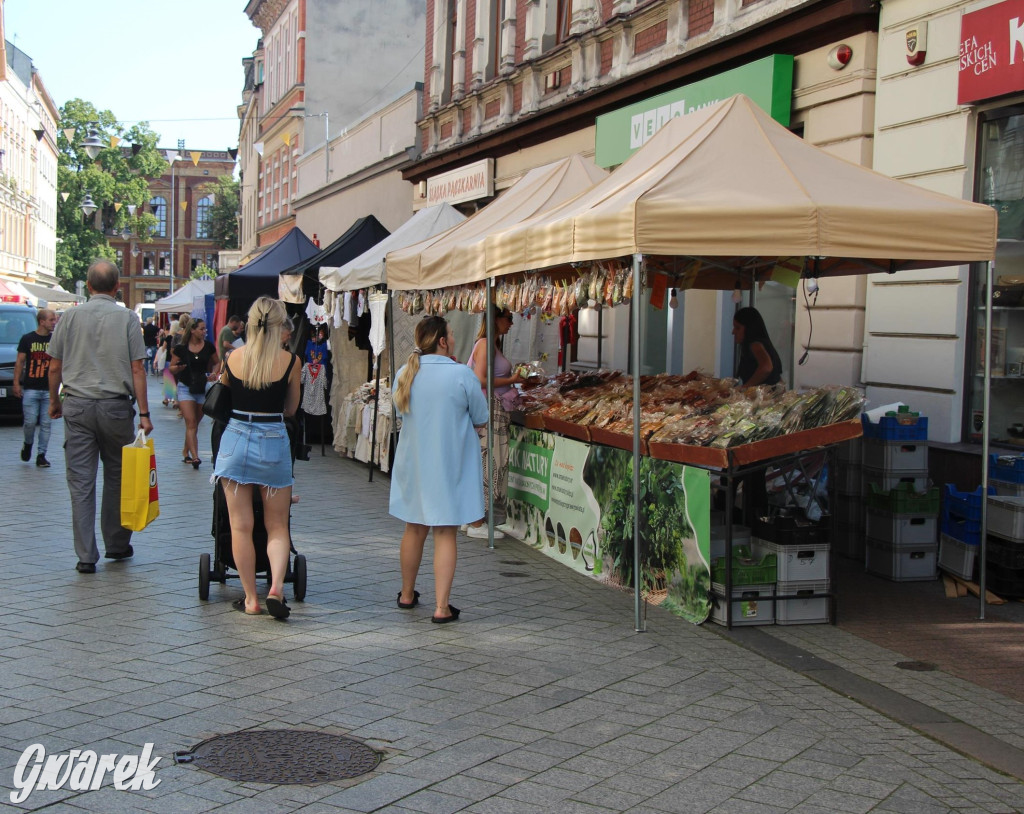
(287, 138)
(258, 147)
(65, 195)
(115, 140)
(183, 205)
(117, 206)
(131, 209)
(196, 155)
(69, 133)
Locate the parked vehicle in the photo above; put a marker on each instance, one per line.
(16, 320)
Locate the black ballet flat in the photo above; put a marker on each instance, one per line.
(408, 605)
(444, 620)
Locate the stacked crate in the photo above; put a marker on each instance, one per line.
(1004, 555)
(901, 522)
(849, 500)
(753, 587)
(961, 531)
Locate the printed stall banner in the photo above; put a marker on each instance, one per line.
(574, 502)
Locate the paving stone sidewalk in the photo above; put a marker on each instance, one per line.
(541, 698)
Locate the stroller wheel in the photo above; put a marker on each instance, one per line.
(204, 576)
(300, 577)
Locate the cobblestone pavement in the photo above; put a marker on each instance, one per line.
(541, 698)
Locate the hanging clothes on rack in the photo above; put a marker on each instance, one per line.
(314, 389)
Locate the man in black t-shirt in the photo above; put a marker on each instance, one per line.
(149, 335)
(32, 384)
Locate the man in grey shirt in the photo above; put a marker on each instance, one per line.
(98, 355)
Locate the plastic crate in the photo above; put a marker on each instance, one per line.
(1007, 488)
(796, 563)
(887, 481)
(912, 564)
(901, 529)
(747, 568)
(956, 557)
(1008, 468)
(963, 505)
(1005, 582)
(786, 530)
(1006, 517)
(903, 499)
(806, 606)
(740, 538)
(896, 456)
(892, 428)
(1004, 553)
(966, 531)
(751, 604)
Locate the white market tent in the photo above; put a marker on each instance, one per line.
(182, 299)
(367, 269)
(723, 197)
(456, 256)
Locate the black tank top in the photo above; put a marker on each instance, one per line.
(268, 400)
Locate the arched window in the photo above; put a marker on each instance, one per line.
(159, 206)
(204, 216)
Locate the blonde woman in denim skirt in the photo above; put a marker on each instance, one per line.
(255, 452)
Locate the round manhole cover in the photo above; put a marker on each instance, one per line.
(282, 756)
(916, 666)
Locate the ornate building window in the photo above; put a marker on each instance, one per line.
(204, 217)
(159, 206)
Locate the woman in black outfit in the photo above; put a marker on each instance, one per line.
(759, 361)
(196, 365)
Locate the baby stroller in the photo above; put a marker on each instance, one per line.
(223, 558)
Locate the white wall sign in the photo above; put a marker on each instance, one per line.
(467, 183)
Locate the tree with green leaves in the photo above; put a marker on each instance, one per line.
(203, 272)
(224, 213)
(117, 180)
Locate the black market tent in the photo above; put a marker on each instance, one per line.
(259, 277)
(361, 236)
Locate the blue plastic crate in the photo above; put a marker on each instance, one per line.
(890, 428)
(1009, 468)
(963, 505)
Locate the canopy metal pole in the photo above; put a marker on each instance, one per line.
(985, 405)
(600, 332)
(638, 623)
(376, 409)
(489, 471)
(391, 375)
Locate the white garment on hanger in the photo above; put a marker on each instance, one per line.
(378, 307)
(315, 313)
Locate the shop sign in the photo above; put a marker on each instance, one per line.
(768, 82)
(991, 52)
(467, 183)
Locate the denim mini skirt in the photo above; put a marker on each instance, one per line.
(255, 453)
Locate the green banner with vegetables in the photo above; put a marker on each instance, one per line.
(574, 502)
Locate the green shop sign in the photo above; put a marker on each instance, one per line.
(769, 82)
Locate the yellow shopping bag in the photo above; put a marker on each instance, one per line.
(140, 504)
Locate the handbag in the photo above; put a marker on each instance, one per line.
(218, 402)
(140, 500)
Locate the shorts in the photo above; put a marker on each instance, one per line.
(185, 395)
(258, 454)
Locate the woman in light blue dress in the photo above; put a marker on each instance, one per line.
(435, 481)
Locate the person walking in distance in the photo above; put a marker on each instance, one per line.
(436, 479)
(97, 353)
(228, 336)
(149, 337)
(33, 364)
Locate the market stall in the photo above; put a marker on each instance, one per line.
(726, 198)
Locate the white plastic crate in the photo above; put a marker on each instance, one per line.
(807, 608)
(956, 557)
(1006, 517)
(751, 604)
(740, 536)
(895, 456)
(911, 564)
(797, 562)
(1007, 488)
(887, 481)
(901, 529)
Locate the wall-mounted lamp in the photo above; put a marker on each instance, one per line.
(839, 57)
(423, 189)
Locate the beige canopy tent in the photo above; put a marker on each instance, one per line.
(456, 256)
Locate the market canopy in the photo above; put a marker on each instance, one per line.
(457, 257)
(51, 297)
(184, 297)
(368, 268)
(258, 277)
(362, 235)
(728, 189)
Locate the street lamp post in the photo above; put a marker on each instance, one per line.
(172, 204)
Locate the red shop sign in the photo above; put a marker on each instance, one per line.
(991, 52)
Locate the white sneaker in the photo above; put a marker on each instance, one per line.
(480, 533)
(505, 528)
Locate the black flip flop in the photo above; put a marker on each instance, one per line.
(277, 608)
(408, 605)
(239, 605)
(444, 620)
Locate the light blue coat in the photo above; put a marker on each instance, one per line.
(437, 479)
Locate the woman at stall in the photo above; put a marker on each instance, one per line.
(196, 365)
(504, 378)
(254, 451)
(435, 482)
(759, 361)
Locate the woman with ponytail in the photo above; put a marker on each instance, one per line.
(435, 482)
(255, 452)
